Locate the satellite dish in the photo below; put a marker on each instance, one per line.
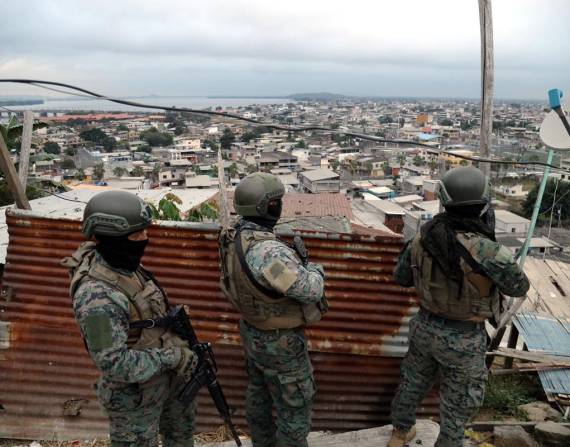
(552, 131)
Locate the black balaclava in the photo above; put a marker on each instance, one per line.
(274, 209)
(120, 252)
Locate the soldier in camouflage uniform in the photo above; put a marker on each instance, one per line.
(276, 296)
(143, 367)
(458, 270)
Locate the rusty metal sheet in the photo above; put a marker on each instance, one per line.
(44, 370)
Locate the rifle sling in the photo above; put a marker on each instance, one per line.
(475, 266)
(153, 322)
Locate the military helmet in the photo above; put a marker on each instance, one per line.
(254, 192)
(464, 186)
(115, 213)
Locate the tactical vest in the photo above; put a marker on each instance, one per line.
(264, 309)
(146, 300)
(475, 299)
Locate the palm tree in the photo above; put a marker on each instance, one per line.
(119, 171)
(138, 171)
(99, 171)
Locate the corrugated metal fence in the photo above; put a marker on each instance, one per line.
(46, 374)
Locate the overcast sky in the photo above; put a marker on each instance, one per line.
(266, 47)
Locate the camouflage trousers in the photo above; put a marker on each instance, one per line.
(458, 357)
(139, 412)
(280, 378)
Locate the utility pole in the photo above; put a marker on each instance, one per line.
(487, 82)
(11, 175)
(25, 148)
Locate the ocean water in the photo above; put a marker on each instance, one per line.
(194, 102)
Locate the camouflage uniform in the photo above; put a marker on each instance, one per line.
(450, 348)
(277, 361)
(137, 388)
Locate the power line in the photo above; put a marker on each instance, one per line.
(55, 195)
(9, 110)
(329, 130)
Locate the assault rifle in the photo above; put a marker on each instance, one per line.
(206, 371)
(299, 247)
(301, 250)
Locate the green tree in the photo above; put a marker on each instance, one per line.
(137, 171)
(68, 163)
(206, 211)
(99, 171)
(446, 122)
(145, 148)
(109, 143)
(562, 200)
(251, 168)
(94, 134)
(71, 151)
(12, 131)
(51, 147)
(119, 171)
(352, 167)
(233, 170)
(227, 138)
(210, 144)
(301, 144)
(418, 161)
(335, 164)
(168, 208)
(80, 174)
(154, 137)
(246, 137)
(122, 128)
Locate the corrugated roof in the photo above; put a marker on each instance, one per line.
(308, 205)
(355, 349)
(549, 291)
(320, 174)
(551, 336)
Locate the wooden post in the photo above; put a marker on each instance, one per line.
(487, 82)
(11, 175)
(25, 148)
(512, 344)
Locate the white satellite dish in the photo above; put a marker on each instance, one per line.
(552, 131)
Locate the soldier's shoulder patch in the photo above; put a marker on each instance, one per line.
(504, 256)
(479, 247)
(280, 276)
(98, 332)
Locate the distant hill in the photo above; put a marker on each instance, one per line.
(323, 96)
(20, 100)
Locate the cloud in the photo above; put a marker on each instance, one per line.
(238, 46)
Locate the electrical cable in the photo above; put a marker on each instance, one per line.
(555, 203)
(55, 195)
(328, 130)
(7, 109)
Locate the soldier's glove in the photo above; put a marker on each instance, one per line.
(317, 268)
(187, 364)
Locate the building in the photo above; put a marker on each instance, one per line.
(507, 222)
(430, 189)
(319, 180)
(391, 214)
(198, 181)
(407, 200)
(413, 185)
